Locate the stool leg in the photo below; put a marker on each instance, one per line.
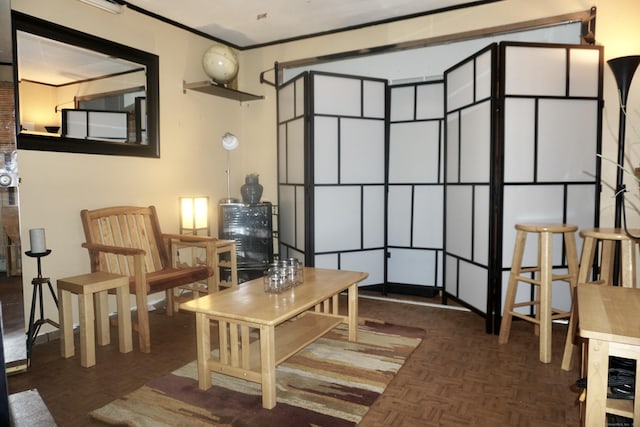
(512, 287)
(606, 262)
(628, 261)
(586, 261)
(87, 334)
(66, 324)
(544, 309)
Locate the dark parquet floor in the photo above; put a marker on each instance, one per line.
(458, 376)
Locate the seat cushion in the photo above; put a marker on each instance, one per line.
(173, 277)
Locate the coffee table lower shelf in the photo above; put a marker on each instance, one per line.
(249, 360)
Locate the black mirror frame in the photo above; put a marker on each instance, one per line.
(30, 24)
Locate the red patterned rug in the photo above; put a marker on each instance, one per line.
(331, 383)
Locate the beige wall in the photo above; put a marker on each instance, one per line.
(55, 186)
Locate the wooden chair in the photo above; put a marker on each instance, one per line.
(127, 240)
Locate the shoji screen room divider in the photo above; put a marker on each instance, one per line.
(420, 184)
(523, 132)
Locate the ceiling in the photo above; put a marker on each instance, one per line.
(240, 23)
(252, 23)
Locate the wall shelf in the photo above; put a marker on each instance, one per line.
(212, 88)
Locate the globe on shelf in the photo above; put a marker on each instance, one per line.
(220, 63)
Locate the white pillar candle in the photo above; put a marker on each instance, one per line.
(36, 238)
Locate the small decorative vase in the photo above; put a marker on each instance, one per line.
(251, 190)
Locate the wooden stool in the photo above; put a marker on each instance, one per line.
(545, 313)
(88, 287)
(600, 273)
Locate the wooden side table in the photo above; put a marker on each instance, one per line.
(89, 287)
(608, 317)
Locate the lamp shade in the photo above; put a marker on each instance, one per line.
(623, 69)
(230, 141)
(194, 214)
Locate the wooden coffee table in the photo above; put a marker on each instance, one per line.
(286, 322)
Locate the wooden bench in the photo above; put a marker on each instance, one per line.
(127, 240)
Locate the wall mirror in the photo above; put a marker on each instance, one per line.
(83, 94)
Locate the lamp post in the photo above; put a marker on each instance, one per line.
(623, 69)
(229, 142)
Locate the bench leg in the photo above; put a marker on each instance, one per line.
(103, 330)
(66, 323)
(87, 334)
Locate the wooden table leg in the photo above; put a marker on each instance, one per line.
(268, 362)
(203, 349)
(597, 374)
(353, 312)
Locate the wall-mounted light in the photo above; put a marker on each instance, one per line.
(194, 215)
(110, 6)
(229, 142)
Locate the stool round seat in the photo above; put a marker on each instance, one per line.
(547, 228)
(607, 233)
(542, 277)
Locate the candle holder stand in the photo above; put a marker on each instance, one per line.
(37, 282)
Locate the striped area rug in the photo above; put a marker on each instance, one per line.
(331, 383)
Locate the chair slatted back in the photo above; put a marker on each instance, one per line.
(129, 227)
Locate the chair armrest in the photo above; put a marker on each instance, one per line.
(118, 250)
(189, 238)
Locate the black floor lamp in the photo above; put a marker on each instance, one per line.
(623, 69)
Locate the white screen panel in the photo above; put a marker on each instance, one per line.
(295, 151)
(75, 124)
(371, 262)
(519, 139)
(300, 218)
(453, 147)
(584, 72)
(326, 261)
(402, 102)
(411, 266)
(451, 278)
(483, 75)
(360, 140)
(580, 208)
(286, 103)
(399, 220)
(529, 204)
(482, 211)
(325, 149)
(107, 125)
(287, 215)
(459, 210)
(567, 136)
(473, 286)
(475, 143)
(427, 216)
(413, 152)
(430, 101)
(337, 95)
(535, 71)
(299, 97)
(373, 98)
(337, 218)
(373, 216)
(460, 86)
